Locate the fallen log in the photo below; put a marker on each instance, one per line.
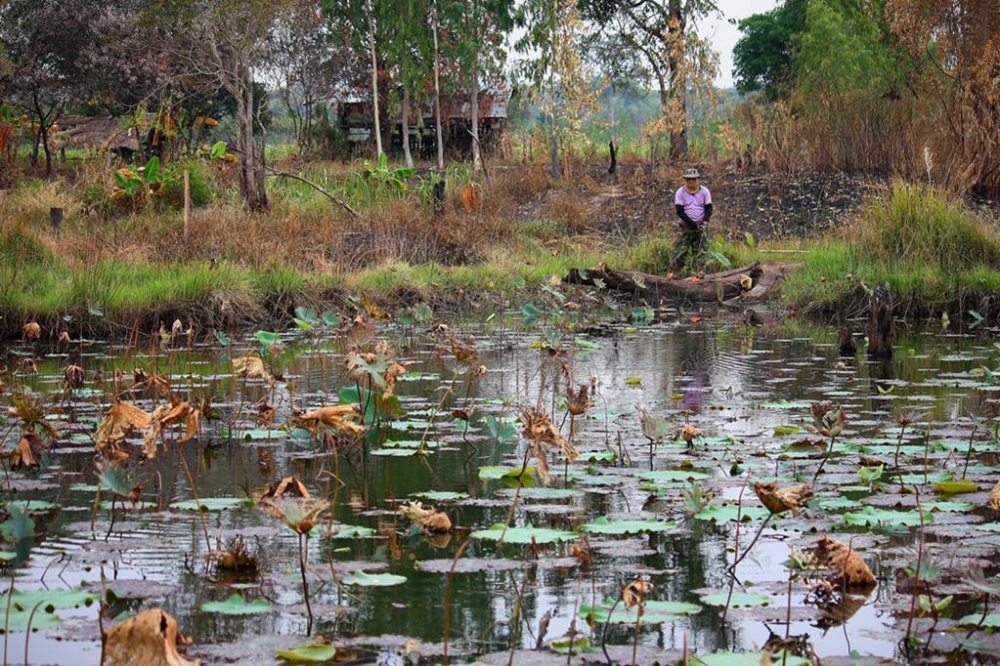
(744, 283)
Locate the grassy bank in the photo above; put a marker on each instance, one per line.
(496, 246)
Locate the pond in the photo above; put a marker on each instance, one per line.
(527, 565)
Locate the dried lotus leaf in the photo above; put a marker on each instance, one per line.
(149, 638)
(635, 592)
(779, 500)
(850, 567)
(995, 497)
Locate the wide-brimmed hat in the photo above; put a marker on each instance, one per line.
(691, 173)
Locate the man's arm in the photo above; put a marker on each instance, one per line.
(683, 215)
(708, 212)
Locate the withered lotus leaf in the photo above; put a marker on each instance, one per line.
(429, 518)
(850, 568)
(25, 456)
(995, 497)
(31, 331)
(779, 500)
(149, 638)
(334, 416)
(251, 367)
(289, 486)
(122, 419)
(635, 592)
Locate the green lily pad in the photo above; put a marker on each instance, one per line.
(541, 493)
(955, 487)
(731, 512)
(653, 612)
(213, 504)
(602, 525)
(309, 653)
(673, 475)
(253, 434)
(398, 453)
(524, 535)
(736, 600)
(746, 659)
(33, 505)
(441, 495)
(374, 580)
(578, 645)
(785, 404)
(872, 516)
(947, 506)
(786, 429)
(835, 503)
(991, 621)
(497, 472)
(50, 599)
(342, 531)
(605, 455)
(236, 605)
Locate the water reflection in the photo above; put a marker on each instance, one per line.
(735, 384)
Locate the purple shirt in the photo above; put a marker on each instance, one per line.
(694, 204)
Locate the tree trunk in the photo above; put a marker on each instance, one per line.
(554, 151)
(253, 185)
(371, 43)
(746, 283)
(437, 98)
(881, 328)
(477, 158)
(677, 120)
(406, 127)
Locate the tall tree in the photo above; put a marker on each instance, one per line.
(222, 43)
(959, 43)
(762, 58)
(662, 32)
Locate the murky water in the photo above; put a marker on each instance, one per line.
(735, 385)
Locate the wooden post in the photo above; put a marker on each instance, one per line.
(881, 328)
(439, 197)
(613, 169)
(55, 220)
(187, 205)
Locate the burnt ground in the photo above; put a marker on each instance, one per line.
(765, 205)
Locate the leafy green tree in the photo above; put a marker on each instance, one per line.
(762, 58)
(661, 33)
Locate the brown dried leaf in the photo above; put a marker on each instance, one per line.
(73, 377)
(579, 401)
(995, 497)
(850, 567)
(251, 367)
(785, 499)
(28, 449)
(334, 416)
(31, 331)
(390, 375)
(538, 429)
(429, 518)
(636, 592)
(287, 487)
(192, 425)
(155, 384)
(265, 413)
(464, 353)
(150, 638)
(688, 433)
(122, 419)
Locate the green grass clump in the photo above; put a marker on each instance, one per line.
(921, 224)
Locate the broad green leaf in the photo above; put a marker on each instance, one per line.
(441, 495)
(602, 525)
(563, 646)
(992, 620)
(672, 475)
(729, 512)
(236, 605)
(786, 429)
(212, 504)
(524, 535)
(736, 600)
(585, 344)
(955, 487)
(331, 319)
(267, 338)
(309, 653)
(871, 516)
(496, 472)
(363, 579)
(653, 612)
(19, 525)
(747, 659)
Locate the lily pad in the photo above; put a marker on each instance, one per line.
(747, 659)
(602, 525)
(871, 516)
(524, 535)
(653, 612)
(731, 512)
(212, 504)
(991, 621)
(342, 531)
(309, 653)
(33, 505)
(374, 580)
(497, 472)
(736, 600)
(955, 487)
(542, 493)
(398, 453)
(441, 495)
(236, 605)
(673, 475)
